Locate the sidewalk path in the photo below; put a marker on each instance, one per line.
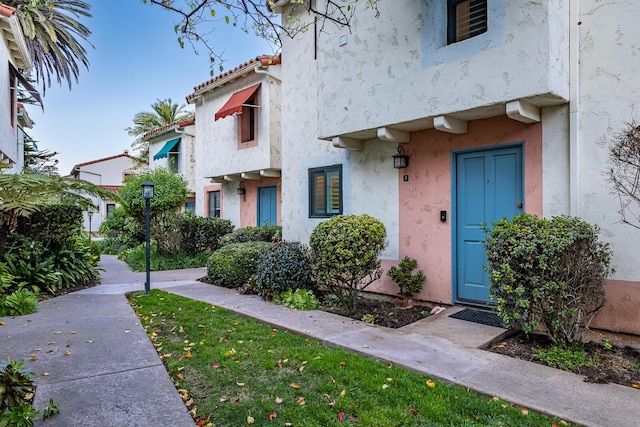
(113, 377)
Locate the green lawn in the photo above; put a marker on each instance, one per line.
(234, 371)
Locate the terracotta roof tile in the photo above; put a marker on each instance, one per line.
(263, 60)
(6, 10)
(113, 188)
(178, 124)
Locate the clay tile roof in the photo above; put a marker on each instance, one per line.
(178, 124)
(263, 60)
(113, 188)
(6, 11)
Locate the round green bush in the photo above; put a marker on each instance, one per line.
(286, 266)
(344, 255)
(547, 272)
(233, 265)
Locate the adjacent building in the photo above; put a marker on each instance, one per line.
(108, 173)
(238, 148)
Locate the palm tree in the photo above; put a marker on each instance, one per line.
(165, 112)
(53, 36)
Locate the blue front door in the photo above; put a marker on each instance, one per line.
(267, 206)
(489, 186)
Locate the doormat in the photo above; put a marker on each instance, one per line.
(479, 316)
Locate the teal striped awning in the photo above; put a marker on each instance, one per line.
(166, 149)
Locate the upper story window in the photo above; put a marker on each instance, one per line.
(245, 105)
(325, 191)
(173, 158)
(465, 19)
(248, 120)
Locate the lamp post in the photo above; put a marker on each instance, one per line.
(89, 214)
(147, 195)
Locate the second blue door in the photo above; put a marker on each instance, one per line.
(267, 206)
(489, 186)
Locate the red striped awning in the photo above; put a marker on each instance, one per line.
(234, 104)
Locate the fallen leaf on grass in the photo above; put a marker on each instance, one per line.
(343, 393)
(250, 420)
(240, 384)
(215, 365)
(279, 400)
(189, 402)
(341, 417)
(300, 400)
(385, 386)
(180, 376)
(343, 363)
(294, 385)
(431, 384)
(524, 411)
(272, 415)
(181, 330)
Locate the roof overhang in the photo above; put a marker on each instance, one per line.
(12, 33)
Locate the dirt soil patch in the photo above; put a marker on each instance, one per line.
(384, 312)
(618, 364)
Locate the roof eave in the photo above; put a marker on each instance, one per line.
(16, 42)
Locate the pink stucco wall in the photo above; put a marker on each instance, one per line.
(249, 203)
(428, 191)
(620, 314)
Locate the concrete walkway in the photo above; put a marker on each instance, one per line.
(94, 359)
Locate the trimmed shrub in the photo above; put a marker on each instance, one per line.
(263, 233)
(286, 266)
(202, 234)
(344, 255)
(548, 272)
(233, 265)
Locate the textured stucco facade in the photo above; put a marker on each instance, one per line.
(223, 162)
(556, 77)
(185, 163)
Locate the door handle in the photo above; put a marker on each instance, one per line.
(519, 205)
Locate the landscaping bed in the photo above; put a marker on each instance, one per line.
(605, 364)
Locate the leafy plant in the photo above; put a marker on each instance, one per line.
(344, 255)
(408, 282)
(548, 272)
(263, 233)
(170, 192)
(369, 318)
(331, 300)
(20, 302)
(299, 299)
(16, 390)
(232, 265)
(202, 234)
(285, 266)
(567, 358)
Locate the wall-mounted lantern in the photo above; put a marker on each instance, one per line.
(400, 160)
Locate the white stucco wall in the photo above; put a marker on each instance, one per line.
(399, 68)
(216, 150)
(186, 153)
(610, 97)
(108, 172)
(362, 171)
(8, 133)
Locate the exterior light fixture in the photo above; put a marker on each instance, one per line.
(241, 190)
(400, 160)
(147, 195)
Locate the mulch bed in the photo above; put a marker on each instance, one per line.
(619, 365)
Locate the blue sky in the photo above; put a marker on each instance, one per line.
(136, 61)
